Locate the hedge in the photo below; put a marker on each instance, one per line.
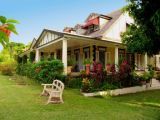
(43, 71)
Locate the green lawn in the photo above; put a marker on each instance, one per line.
(20, 100)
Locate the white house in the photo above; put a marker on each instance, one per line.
(97, 39)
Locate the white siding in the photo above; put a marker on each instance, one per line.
(102, 22)
(118, 27)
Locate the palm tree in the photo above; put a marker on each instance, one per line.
(6, 27)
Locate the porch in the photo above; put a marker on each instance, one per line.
(69, 47)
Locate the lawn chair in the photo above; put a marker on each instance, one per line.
(54, 90)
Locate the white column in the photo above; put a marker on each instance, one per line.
(37, 56)
(139, 61)
(145, 62)
(135, 58)
(116, 57)
(55, 54)
(64, 55)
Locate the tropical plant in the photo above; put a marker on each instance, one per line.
(71, 62)
(87, 61)
(6, 27)
(86, 85)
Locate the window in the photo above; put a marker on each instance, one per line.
(86, 52)
(121, 55)
(69, 55)
(108, 57)
(129, 58)
(93, 28)
(77, 54)
(52, 55)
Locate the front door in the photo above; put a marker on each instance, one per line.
(77, 59)
(102, 56)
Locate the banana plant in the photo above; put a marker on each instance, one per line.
(7, 26)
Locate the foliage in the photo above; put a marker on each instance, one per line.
(86, 85)
(144, 35)
(11, 52)
(25, 70)
(19, 59)
(7, 71)
(100, 80)
(71, 62)
(31, 57)
(108, 86)
(125, 74)
(5, 55)
(147, 76)
(136, 40)
(24, 59)
(6, 26)
(43, 71)
(87, 61)
(74, 82)
(7, 68)
(15, 48)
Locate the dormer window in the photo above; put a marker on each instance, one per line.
(93, 28)
(92, 25)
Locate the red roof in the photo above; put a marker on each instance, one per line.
(94, 21)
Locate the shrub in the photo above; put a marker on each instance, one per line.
(125, 74)
(31, 57)
(7, 70)
(46, 71)
(86, 85)
(18, 59)
(43, 71)
(108, 86)
(25, 69)
(74, 82)
(24, 59)
(100, 80)
(147, 76)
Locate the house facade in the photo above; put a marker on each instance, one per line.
(97, 39)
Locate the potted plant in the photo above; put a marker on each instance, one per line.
(142, 81)
(147, 76)
(86, 85)
(87, 63)
(70, 64)
(108, 67)
(99, 67)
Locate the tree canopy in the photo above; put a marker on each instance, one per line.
(11, 52)
(144, 35)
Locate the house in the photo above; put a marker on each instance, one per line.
(97, 39)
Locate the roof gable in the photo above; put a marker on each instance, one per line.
(47, 36)
(114, 15)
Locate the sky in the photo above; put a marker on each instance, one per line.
(35, 15)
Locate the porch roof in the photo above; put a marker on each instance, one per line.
(49, 37)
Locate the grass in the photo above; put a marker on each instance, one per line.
(20, 100)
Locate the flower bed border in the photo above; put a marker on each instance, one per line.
(122, 91)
